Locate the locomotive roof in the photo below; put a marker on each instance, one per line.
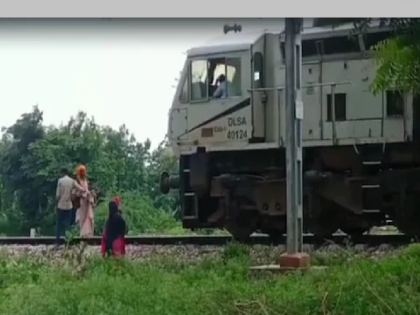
(230, 42)
(233, 42)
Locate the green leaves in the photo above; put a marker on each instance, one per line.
(32, 156)
(398, 61)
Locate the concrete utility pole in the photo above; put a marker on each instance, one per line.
(294, 117)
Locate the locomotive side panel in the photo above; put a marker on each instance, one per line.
(312, 98)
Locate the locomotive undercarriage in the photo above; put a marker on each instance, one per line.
(345, 187)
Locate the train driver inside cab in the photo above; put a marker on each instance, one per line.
(221, 88)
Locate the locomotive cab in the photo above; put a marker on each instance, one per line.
(214, 106)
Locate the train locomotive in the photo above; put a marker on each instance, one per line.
(360, 151)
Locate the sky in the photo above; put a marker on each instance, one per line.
(120, 71)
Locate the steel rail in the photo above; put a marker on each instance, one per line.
(340, 239)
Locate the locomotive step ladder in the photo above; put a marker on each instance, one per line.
(371, 189)
(371, 194)
(190, 201)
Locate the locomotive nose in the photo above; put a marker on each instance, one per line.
(168, 182)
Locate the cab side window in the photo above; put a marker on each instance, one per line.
(216, 78)
(199, 85)
(234, 76)
(226, 78)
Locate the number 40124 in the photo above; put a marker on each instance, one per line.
(237, 134)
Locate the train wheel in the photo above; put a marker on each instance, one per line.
(274, 227)
(353, 224)
(322, 221)
(353, 232)
(275, 236)
(242, 226)
(324, 226)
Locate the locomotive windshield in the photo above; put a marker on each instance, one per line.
(215, 78)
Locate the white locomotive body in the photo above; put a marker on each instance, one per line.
(231, 148)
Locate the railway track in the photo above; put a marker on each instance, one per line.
(340, 239)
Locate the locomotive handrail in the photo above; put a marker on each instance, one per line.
(281, 88)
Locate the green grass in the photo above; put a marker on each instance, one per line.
(224, 285)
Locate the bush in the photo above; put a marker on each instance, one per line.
(140, 214)
(224, 286)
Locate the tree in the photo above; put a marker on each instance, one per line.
(397, 58)
(162, 159)
(32, 155)
(18, 180)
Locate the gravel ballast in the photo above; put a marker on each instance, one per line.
(259, 254)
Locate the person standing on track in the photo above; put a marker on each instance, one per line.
(113, 236)
(65, 186)
(84, 214)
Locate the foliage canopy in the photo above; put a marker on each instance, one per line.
(397, 58)
(32, 154)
